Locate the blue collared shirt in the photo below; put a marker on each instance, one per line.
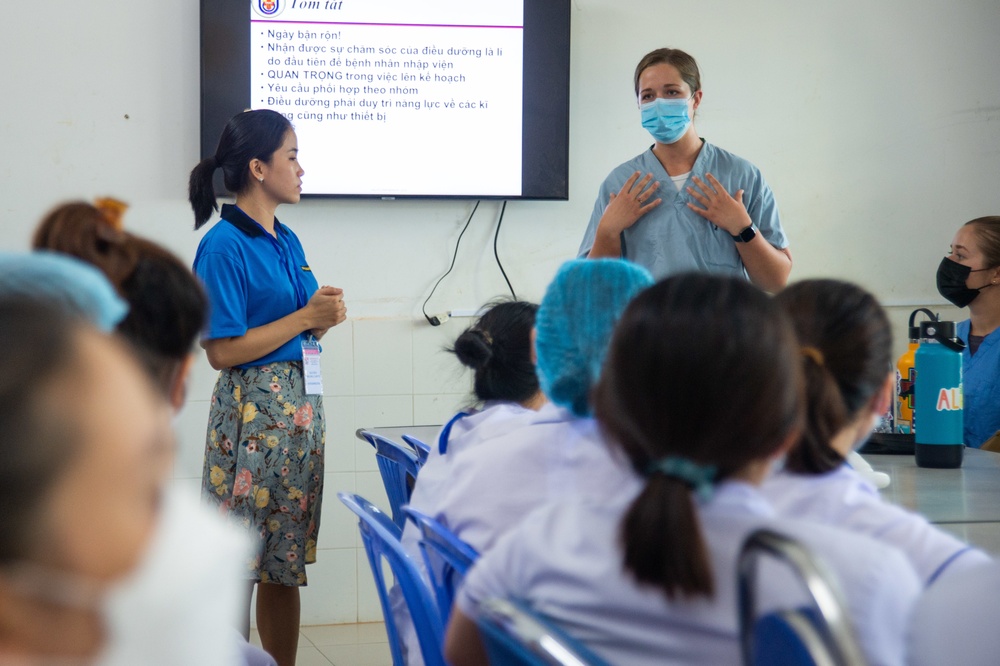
(672, 238)
(980, 387)
(253, 278)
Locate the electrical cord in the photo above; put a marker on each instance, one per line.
(435, 320)
(497, 254)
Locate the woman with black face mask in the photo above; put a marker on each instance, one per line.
(965, 278)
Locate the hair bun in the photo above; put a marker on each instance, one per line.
(474, 348)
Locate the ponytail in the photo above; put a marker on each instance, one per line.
(662, 540)
(201, 191)
(826, 415)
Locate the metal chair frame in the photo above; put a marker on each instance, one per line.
(837, 645)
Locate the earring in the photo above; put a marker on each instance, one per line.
(261, 179)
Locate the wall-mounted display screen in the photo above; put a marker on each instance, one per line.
(396, 98)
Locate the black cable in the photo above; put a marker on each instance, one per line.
(497, 254)
(434, 321)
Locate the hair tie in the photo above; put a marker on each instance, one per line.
(815, 355)
(112, 210)
(485, 336)
(701, 478)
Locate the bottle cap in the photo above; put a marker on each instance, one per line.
(914, 328)
(937, 330)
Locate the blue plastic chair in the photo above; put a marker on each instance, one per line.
(380, 536)
(422, 449)
(398, 466)
(515, 635)
(447, 557)
(820, 635)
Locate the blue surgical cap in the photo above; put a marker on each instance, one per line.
(67, 282)
(574, 324)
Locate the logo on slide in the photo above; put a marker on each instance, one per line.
(268, 8)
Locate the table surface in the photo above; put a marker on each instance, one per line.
(969, 494)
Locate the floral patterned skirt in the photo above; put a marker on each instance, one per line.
(264, 465)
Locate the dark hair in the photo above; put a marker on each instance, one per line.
(167, 305)
(37, 349)
(684, 63)
(988, 235)
(167, 310)
(498, 348)
(852, 335)
(247, 136)
(81, 230)
(705, 368)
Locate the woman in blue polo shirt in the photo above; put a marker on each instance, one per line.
(264, 455)
(686, 204)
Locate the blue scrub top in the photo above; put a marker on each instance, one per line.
(253, 278)
(672, 238)
(980, 387)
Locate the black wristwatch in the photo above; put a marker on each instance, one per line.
(746, 235)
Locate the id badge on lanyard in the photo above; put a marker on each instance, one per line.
(310, 366)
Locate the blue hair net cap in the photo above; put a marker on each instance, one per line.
(574, 325)
(67, 282)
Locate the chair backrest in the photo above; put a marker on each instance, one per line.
(819, 635)
(447, 557)
(515, 635)
(422, 449)
(398, 466)
(380, 536)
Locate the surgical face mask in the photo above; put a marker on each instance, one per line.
(951, 279)
(666, 119)
(175, 607)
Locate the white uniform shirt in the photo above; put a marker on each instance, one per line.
(433, 480)
(550, 455)
(843, 498)
(955, 621)
(566, 560)
(436, 475)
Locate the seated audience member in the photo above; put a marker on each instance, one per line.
(498, 348)
(954, 621)
(846, 343)
(649, 576)
(166, 304)
(556, 451)
(68, 283)
(93, 541)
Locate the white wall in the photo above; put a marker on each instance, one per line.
(877, 125)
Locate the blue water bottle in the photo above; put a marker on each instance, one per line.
(938, 409)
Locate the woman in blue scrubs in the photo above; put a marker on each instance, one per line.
(266, 432)
(698, 207)
(964, 277)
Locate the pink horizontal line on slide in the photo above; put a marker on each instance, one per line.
(392, 25)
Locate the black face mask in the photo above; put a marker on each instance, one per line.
(951, 277)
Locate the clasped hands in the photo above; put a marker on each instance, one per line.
(327, 309)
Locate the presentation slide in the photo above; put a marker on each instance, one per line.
(394, 96)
